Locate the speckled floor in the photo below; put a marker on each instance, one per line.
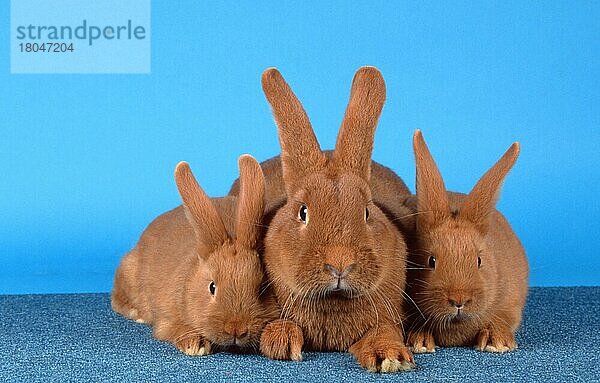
(76, 337)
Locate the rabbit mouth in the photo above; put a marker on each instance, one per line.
(237, 349)
(340, 293)
(340, 288)
(459, 315)
(235, 345)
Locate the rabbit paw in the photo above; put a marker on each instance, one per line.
(193, 345)
(134, 315)
(282, 339)
(383, 350)
(492, 340)
(421, 342)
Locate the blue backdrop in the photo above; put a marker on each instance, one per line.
(87, 160)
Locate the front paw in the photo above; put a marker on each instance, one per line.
(282, 339)
(421, 342)
(193, 345)
(492, 340)
(383, 350)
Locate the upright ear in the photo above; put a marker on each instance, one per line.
(200, 211)
(432, 199)
(251, 202)
(354, 144)
(300, 151)
(482, 199)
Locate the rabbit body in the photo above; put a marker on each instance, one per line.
(335, 260)
(467, 268)
(192, 276)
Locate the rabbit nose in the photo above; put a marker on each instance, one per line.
(339, 274)
(458, 303)
(236, 330)
(237, 339)
(242, 332)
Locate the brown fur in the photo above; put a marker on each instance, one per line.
(361, 311)
(388, 190)
(457, 229)
(164, 281)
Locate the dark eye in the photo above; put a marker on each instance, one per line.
(212, 288)
(432, 262)
(366, 213)
(478, 261)
(303, 214)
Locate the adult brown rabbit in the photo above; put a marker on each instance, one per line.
(468, 273)
(195, 275)
(335, 261)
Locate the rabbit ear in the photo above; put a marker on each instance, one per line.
(482, 199)
(251, 202)
(432, 199)
(300, 151)
(202, 214)
(355, 140)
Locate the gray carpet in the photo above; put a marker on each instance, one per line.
(76, 337)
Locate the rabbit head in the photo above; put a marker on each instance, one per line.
(453, 269)
(329, 239)
(224, 296)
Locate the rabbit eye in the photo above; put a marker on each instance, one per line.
(478, 262)
(366, 213)
(432, 262)
(212, 288)
(303, 214)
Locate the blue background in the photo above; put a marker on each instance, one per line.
(87, 161)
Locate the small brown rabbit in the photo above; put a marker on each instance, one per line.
(468, 273)
(195, 275)
(336, 262)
